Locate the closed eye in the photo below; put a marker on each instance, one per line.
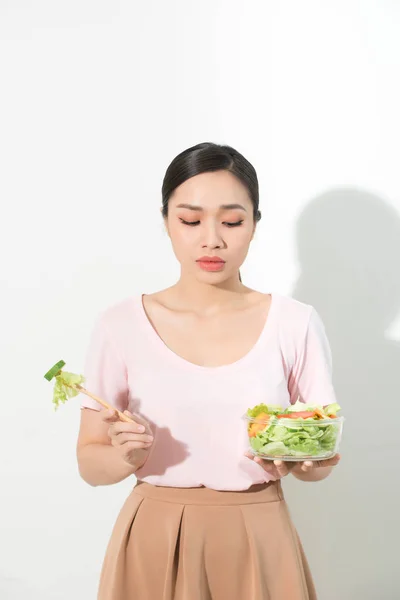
(191, 223)
(236, 224)
(228, 224)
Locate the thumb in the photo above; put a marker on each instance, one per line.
(139, 420)
(109, 415)
(130, 416)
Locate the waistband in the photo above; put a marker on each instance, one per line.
(263, 492)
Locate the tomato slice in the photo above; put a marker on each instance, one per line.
(304, 414)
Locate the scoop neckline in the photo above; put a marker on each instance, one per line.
(163, 348)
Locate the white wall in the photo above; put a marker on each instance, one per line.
(96, 97)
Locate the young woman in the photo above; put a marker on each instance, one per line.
(205, 520)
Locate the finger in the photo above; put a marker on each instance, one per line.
(137, 418)
(129, 414)
(124, 438)
(140, 421)
(111, 416)
(282, 468)
(330, 462)
(267, 465)
(129, 446)
(132, 427)
(308, 465)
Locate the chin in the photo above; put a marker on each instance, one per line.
(215, 278)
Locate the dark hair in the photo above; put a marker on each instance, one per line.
(206, 157)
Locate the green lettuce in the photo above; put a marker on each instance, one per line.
(62, 390)
(263, 408)
(332, 409)
(300, 406)
(272, 449)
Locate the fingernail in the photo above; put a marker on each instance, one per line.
(141, 429)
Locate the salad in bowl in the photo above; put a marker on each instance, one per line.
(299, 432)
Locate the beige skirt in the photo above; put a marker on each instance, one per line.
(202, 544)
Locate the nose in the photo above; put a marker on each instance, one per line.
(212, 237)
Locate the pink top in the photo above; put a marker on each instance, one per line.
(196, 412)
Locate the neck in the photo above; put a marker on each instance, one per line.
(202, 296)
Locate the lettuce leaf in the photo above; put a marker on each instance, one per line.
(300, 407)
(332, 409)
(62, 390)
(274, 449)
(263, 408)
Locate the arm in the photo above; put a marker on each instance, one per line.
(99, 462)
(311, 380)
(108, 450)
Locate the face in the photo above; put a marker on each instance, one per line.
(210, 223)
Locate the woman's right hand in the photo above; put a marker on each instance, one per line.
(131, 440)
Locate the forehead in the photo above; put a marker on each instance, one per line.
(210, 190)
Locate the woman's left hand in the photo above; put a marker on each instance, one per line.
(279, 468)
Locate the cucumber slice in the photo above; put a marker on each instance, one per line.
(54, 370)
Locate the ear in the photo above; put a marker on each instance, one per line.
(165, 219)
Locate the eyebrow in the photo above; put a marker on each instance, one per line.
(222, 207)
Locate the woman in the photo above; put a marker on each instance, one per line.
(206, 519)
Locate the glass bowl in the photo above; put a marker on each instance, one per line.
(291, 439)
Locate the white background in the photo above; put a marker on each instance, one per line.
(96, 98)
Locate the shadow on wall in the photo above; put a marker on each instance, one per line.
(349, 251)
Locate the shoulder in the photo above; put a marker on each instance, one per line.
(296, 318)
(293, 311)
(119, 327)
(120, 314)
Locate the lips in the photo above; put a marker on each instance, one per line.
(211, 263)
(211, 259)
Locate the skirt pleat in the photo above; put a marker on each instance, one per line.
(114, 566)
(202, 544)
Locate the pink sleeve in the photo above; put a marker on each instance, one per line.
(105, 371)
(311, 376)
